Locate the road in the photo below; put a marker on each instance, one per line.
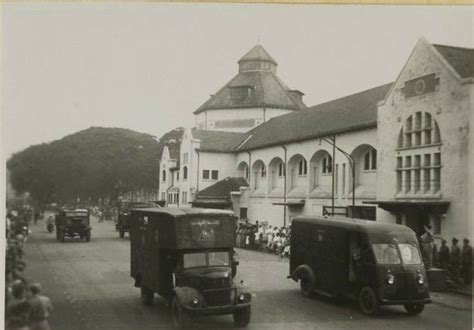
(90, 287)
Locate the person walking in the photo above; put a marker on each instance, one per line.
(443, 255)
(455, 260)
(41, 307)
(466, 262)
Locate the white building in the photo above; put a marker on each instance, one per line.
(409, 141)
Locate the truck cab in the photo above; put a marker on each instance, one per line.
(187, 257)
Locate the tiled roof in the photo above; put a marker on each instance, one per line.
(223, 188)
(257, 53)
(216, 141)
(348, 113)
(461, 59)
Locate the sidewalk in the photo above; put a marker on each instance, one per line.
(465, 290)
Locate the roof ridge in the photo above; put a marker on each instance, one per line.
(457, 47)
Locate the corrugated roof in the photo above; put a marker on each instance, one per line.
(461, 59)
(355, 111)
(257, 53)
(223, 188)
(216, 141)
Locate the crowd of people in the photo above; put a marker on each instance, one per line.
(265, 238)
(25, 307)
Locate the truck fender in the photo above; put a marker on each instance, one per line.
(303, 270)
(186, 294)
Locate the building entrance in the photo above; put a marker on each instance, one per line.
(417, 219)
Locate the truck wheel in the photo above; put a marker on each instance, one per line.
(307, 282)
(147, 296)
(121, 232)
(414, 309)
(368, 302)
(242, 317)
(181, 318)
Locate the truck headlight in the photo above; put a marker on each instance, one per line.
(244, 297)
(194, 301)
(390, 279)
(420, 279)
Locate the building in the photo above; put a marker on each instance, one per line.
(400, 152)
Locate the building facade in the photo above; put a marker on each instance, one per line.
(399, 152)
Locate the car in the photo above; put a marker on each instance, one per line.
(186, 255)
(374, 263)
(72, 223)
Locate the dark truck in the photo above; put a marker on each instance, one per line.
(71, 223)
(372, 262)
(186, 256)
(123, 218)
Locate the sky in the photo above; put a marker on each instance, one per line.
(148, 66)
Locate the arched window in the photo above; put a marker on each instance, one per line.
(327, 164)
(185, 173)
(370, 160)
(281, 169)
(163, 178)
(302, 167)
(263, 171)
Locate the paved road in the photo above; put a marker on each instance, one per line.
(90, 286)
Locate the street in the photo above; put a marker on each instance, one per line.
(90, 287)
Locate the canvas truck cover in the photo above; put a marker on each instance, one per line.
(185, 228)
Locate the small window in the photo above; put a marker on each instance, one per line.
(263, 171)
(370, 160)
(177, 176)
(327, 164)
(185, 158)
(205, 174)
(163, 177)
(281, 169)
(185, 173)
(302, 167)
(215, 175)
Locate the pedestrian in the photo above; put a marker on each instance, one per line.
(443, 255)
(18, 308)
(426, 241)
(466, 262)
(455, 260)
(41, 307)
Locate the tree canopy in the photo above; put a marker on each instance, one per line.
(93, 163)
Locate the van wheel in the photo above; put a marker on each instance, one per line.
(368, 302)
(242, 317)
(181, 318)
(414, 309)
(307, 282)
(147, 296)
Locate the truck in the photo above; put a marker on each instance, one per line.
(186, 255)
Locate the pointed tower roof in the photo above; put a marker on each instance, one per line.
(257, 53)
(255, 86)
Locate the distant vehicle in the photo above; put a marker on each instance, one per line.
(186, 256)
(374, 263)
(123, 218)
(72, 223)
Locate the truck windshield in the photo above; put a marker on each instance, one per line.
(199, 259)
(410, 254)
(386, 254)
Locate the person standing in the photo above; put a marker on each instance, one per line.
(426, 241)
(41, 307)
(18, 308)
(443, 255)
(455, 260)
(466, 262)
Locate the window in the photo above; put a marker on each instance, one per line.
(163, 176)
(238, 94)
(170, 198)
(302, 167)
(184, 197)
(177, 176)
(205, 174)
(327, 164)
(185, 158)
(263, 171)
(370, 160)
(281, 169)
(185, 173)
(163, 196)
(215, 175)
(246, 172)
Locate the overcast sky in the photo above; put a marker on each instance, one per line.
(147, 67)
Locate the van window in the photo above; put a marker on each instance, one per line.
(386, 254)
(410, 255)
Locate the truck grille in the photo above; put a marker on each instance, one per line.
(217, 283)
(218, 297)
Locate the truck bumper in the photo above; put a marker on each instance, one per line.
(216, 310)
(405, 301)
